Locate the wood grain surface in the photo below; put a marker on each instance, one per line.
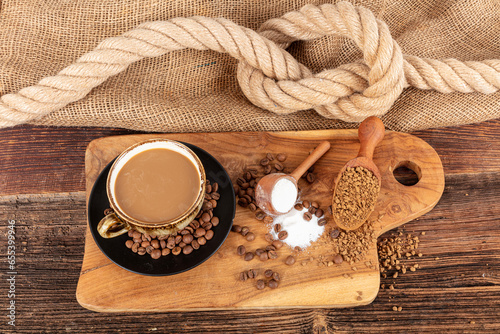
(103, 286)
(456, 290)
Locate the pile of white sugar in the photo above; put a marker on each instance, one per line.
(283, 195)
(300, 231)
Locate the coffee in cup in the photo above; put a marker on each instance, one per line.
(156, 187)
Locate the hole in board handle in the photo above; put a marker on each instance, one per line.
(407, 173)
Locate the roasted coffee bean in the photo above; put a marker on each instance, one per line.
(252, 183)
(149, 249)
(243, 276)
(187, 239)
(209, 234)
(211, 212)
(171, 242)
(130, 233)
(153, 237)
(215, 188)
(177, 250)
(196, 224)
(188, 249)
(248, 198)
(338, 259)
(244, 230)
(322, 222)
(243, 202)
(270, 248)
(277, 243)
(129, 243)
(145, 244)
(215, 196)
(247, 176)
(165, 251)
(252, 207)
(251, 273)
(281, 157)
(250, 192)
(259, 251)
(108, 211)
(264, 162)
(279, 166)
(298, 206)
(141, 251)
(248, 256)
(135, 247)
(195, 244)
(267, 169)
(198, 215)
(184, 232)
(138, 240)
(268, 219)
(136, 235)
(214, 221)
(208, 188)
(241, 193)
(272, 284)
(315, 205)
(290, 260)
(200, 232)
(155, 243)
(178, 239)
(312, 210)
(319, 213)
(259, 215)
(207, 206)
(241, 250)
(268, 273)
(205, 217)
(208, 182)
(306, 204)
(272, 254)
(276, 277)
(260, 284)
(236, 228)
(282, 235)
(240, 181)
(245, 186)
(182, 244)
(297, 249)
(202, 241)
(214, 203)
(163, 244)
(143, 237)
(264, 256)
(268, 237)
(310, 177)
(277, 228)
(334, 234)
(207, 226)
(188, 228)
(156, 254)
(307, 216)
(208, 197)
(250, 236)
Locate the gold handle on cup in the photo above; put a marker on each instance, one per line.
(112, 226)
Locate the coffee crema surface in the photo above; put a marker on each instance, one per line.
(157, 185)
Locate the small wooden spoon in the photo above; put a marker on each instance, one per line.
(370, 133)
(264, 189)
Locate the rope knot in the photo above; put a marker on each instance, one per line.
(350, 92)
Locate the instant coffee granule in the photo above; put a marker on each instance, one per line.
(355, 196)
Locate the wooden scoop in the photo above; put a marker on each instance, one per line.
(264, 189)
(370, 133)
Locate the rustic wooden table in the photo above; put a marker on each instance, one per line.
(456, 289)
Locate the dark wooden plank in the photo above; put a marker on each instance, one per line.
(458, 284)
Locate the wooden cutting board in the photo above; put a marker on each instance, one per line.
(105, 287)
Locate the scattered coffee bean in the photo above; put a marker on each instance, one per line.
(259, 251)
(252, 273)
(264, 162)
(195, 244)
(135, 247)
(272, 254)
(247, 176)
(156, 254)
(297, 249)
(215, 188)
(207, 206)
(268, 220)
(277, 228)
(244, 230)
(178, 239)
(267, 169)
(277, 243)
(149, 249)
(215, 221)
(129, 243)
(241, 250)
(207, 226)
(130, 233)
(171, 242)
(155, 243)
(272, 284)
(270, 247)
(202, 241)
(209, 234)
(312, 210)
(310, 177)
(268, 273)
(319, 213)
(243, 276)
(282, 235)
(307, 216)
(145, 244)
(322, 222)
(260, 284)
(141, 251)
(338, 259)
(279, 166)
(276, 277)
(215, 196)
(165, 251)
(290, 260)
(236, 228)
(136, 235)
(260, 215)
(188, 249)
(177, 250)
(334, 234)
(243, 202)
(268, 237)
(306, 204)
(281, 157)
(200, 232)
(249, 256)
(205, 217)
(250, 236)
(252, 207)
(299, 207)
(264, 256)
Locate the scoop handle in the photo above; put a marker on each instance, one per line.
(370, 132)
(318, 152)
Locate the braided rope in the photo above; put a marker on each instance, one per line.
(268, 75)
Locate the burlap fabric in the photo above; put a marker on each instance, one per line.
(197, 91)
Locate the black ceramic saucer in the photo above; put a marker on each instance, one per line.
(115, 248)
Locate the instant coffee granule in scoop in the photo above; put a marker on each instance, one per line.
(355, 196)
